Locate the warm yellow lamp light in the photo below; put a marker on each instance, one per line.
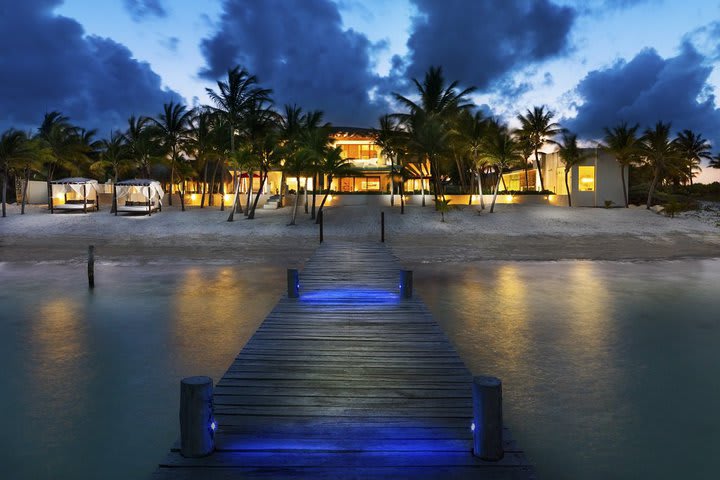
(227, 197)
(509, 198)
(193, 197)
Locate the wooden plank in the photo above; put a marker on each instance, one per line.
(346, 381)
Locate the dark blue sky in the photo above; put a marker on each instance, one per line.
(594, 62)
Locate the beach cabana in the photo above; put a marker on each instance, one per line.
(138, 196)
(74, 194)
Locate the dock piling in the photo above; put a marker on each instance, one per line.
(91, 266)
(382, 227)
(293, 283)
(197, 424)
(406, 283)
(321, 225)
(487, 418)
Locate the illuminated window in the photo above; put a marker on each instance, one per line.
(358, 151)
(586, 179)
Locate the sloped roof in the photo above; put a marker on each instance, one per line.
(352, 132)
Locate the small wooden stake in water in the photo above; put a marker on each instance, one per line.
(406, 283)
(197, 425)
(487, 418)
(321, 226)
(293, 283)
(382, 227)
(91, 266)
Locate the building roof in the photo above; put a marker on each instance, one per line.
(352, 132)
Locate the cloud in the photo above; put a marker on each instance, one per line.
(299, 49)
(141, 9)
(648, 89)
(481, 41)
(52, 65)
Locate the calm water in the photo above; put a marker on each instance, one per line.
(610, 370)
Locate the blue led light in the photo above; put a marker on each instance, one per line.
(359, 296)
(472, 427)
(213, 425)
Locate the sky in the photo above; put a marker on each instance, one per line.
(594, 63)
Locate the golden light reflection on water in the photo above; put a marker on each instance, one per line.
(589, 305)
(512, 310)
(58, 342)
(204, 302)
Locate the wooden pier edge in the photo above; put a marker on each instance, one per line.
(350, 380)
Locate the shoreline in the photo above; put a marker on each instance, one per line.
(513, 233)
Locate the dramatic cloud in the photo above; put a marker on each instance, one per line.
(141, 9)
(479, 42)
(48, 64)
(648, 89)
(300, 50)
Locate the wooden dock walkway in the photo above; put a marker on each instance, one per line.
(348, 381)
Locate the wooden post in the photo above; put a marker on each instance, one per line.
(487, 418)
(91, 266)
(149, 203)
(197, 425)
(52, 206)
(382, 227)
(293, 283)
(84, 198)
(321, 226)
(406, 283)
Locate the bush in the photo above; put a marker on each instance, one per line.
(677, 204)
(526, 192)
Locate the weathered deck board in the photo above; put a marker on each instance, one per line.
(349, 381)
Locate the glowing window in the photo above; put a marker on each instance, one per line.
(586, 179)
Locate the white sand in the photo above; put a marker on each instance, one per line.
(512, 232)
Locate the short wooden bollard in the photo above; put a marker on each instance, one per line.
(382, 227)
(406, 283)
(487, 418)
(197, 424)
(321, 226)
(293, 283)
(91, 266)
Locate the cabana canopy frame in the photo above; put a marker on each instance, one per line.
(138, 195)
(77, 193)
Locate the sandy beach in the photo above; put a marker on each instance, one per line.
(513, 232)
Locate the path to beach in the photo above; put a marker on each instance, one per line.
(513, 232)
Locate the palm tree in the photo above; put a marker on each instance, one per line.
(438, 105)
(14, 149)
(141, 144)
(64, 146)
(39, 155)
(390, 139)
(571, 156)
(115, 157)
(333, 165)
(538, 127)
(659, 151)
(502, 150)
(429, 140)
(715, 162)
(443, 206)
(693, 148)
(622, 143)
(527, 148)
(171, 128)
(202, 143)
(470, 131)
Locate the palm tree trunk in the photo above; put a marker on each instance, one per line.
(204, 186)
(24, 190)
(527, 178)
(250, 191)
(172, 177)
(497, 187)
(263, 177)
(4, 190)
(480, 190)
(422, 184)
(392, 183)
(282, 189)
(622, 177)
(306, 196)
(222, 187)
(297, 198)
(567, 187)
(322, 204)
(211, 201)
(537, 163)
(402, 197)
(315, 183)
(653, 185)
(236, 198)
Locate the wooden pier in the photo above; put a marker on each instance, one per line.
(347, 381)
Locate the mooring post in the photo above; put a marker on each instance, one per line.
(321, 226)
(487, 418)
(406, 283)
(293, 283)
(197, 424)
(382, 227)
(91, 266)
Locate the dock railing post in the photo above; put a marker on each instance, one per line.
(293, 283)
(197, 424)
(382, 227)
(487, 418)
(91, 266)
(406, 283)
(321, 225)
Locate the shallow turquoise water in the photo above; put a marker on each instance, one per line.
(610, 370)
